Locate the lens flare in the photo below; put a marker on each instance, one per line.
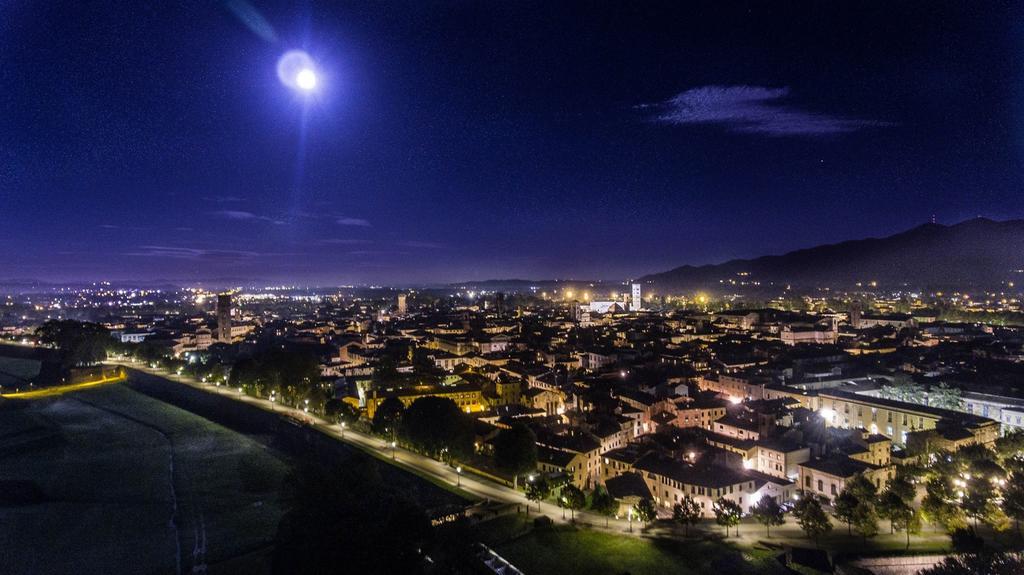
(296, 70)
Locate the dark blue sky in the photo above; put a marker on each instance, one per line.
(471, 140)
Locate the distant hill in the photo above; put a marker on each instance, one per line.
(979, 253)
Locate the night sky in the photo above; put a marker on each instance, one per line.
(472, 140)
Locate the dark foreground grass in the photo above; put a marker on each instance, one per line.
(110, 492)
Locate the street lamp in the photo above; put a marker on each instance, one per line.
(458, 471)
(393, 444)
(343, 430)
(273, 400)
(630, 519)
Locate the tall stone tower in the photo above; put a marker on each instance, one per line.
(402, 305)
(637, 302)
(224, 318)
(856, 308)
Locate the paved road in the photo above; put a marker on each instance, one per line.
(482, 488)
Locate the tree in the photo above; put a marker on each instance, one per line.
(436, 426)
(645, 510)
(944, 396)
(1013, 499)
(537, 490)
(902, 488)
(727, 514)
(388, 417)
(901, 515)
(768, 512)
(865, 520)
(602, 503)
(889, 505)
(811, 517)
(79, 343)
(939, 505)
(863, 489)
(998, 563)
(341, 411)
(687, 512)
(842, 509)
(1010, 445)
(573, 499)
(978, 494)
(904, 388)
(515, 451)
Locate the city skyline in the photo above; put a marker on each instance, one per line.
(460, 143)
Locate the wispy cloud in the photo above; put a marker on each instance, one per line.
(240, 215)
(223, 199)
(422, 244)
(753, 110)
(342, 242)
(347, 221)
(178, 252)
(189, 253)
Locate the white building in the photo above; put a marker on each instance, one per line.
(637, 302)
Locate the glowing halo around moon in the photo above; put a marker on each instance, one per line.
(296, 70)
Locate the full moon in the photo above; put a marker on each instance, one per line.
(306, 79)
(296, 70)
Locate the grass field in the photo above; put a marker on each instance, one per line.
(131, 485)
(14, 371)
(566, 550)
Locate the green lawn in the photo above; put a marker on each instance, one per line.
(569, 551)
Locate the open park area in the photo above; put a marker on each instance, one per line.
(570, 550)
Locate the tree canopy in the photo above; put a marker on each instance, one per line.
(811, 517)
(602, 503)
(645, 510)
(388, 417)
(687, 512)
(341, 411)
(573, 499)
(727, 514)
(436, 426)
(293, 376)
(768, 512)
(515, 451)
(537, 490)
(78, 343)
